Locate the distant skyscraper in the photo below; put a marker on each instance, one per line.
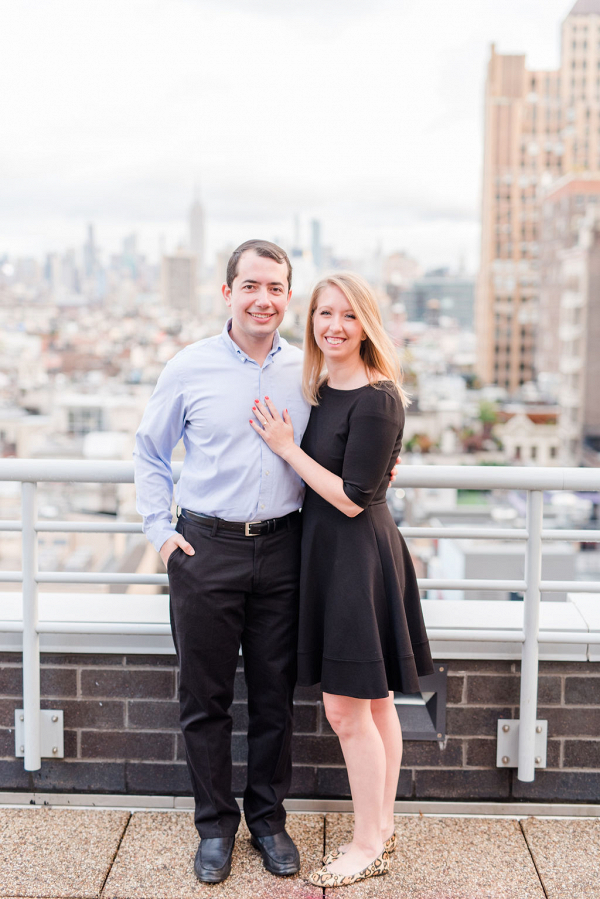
(129, 255)
(196, 226)
(89, 253)
(178, 281)
(296, 251)
(317, 249)
(130, 245)
(538, 126)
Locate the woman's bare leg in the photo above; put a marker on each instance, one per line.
(364, 754)
(387, 722)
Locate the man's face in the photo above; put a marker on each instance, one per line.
(258, 296)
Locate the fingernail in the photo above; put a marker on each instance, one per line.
(254, 408)
(256, 401)
(266, 397)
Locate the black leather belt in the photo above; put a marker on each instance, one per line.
(247, 528)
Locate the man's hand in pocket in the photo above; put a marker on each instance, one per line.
(170, 545)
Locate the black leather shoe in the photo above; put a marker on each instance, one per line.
(213, 859)
(279, 853)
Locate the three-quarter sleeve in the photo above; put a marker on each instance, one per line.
(375, 429)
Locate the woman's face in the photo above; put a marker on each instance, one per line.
(338, 333)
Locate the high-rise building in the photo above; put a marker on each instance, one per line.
(178, 281)
(453, 293)
(196, 228)
(316, 247)
(538, 126)
(89, 253)
(570, 308)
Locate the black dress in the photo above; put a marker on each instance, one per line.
(361, 624)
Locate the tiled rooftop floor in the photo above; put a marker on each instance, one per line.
(84, 854)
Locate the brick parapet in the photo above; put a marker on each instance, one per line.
(122, 733)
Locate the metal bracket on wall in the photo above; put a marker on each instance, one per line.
(423, 715)
(52, 741)
(507, 747)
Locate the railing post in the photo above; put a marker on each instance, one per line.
(530, 651)
(31, 639)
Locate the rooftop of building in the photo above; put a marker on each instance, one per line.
(586, 8)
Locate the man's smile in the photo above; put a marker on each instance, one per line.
(262, 316)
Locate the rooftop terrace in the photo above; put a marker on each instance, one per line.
(115, 854)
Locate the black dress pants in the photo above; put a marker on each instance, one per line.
(234, 591)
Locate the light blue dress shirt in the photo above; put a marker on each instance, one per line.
(205, 394)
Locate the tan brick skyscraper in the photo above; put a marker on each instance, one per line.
(538, 126)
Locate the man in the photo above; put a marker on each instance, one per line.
(233, 559)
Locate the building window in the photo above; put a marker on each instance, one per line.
(517, 452)
(553, 452)
(533, 452)
(84, 420)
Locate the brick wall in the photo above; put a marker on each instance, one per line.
(122, 734)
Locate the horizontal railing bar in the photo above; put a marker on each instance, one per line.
(78, 527)
(463, 584)
(98, 577)
(467, 635)
(480, 477)
(483, 477)
(570, 586)
(458, 533)
(106, 578)
(581, 536)
(103, 627)
(474, 533)
(89, 527)
(569, 637)
(466, 533)
(89, 627)
(464, 635)
(71, 471)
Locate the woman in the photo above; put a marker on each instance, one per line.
(361, 627)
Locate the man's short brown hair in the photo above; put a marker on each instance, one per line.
(261, 248)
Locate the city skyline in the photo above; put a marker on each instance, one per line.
(116, 125)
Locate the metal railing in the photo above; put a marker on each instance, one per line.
(534, 481)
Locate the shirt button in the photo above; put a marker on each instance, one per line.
(266, 472)
(262, 507)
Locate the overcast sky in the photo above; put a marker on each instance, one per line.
(366, 114)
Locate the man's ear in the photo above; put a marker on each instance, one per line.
(288, 299)
(226, 291)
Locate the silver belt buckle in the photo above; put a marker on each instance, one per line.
(247, 526)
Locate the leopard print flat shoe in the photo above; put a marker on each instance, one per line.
(389, 847)
(325, 878)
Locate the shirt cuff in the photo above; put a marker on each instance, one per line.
(158, 534)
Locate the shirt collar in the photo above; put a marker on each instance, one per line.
(239, 353)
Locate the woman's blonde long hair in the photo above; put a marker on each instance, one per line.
(377, 350)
